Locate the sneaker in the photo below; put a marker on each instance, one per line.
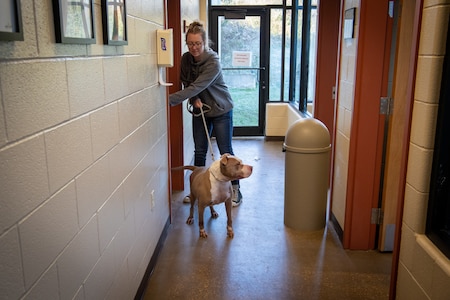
(236, 198)
(187, 199)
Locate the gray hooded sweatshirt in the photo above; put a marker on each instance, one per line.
(204, 80)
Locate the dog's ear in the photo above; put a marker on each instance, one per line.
(224, 158)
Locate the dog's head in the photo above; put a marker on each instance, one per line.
(232, 167)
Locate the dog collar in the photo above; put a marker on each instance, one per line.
(215, 176)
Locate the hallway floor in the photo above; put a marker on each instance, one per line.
(265, 259)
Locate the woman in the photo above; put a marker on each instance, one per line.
(203, 82)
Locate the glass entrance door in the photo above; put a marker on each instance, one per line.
(238, 37)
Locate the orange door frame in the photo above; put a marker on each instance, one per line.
(327, 54)
(175, 112)
(403, 169)
(371, 78)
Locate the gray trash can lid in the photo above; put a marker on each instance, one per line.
(307, 135)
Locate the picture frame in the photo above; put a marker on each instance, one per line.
(10, 21)
(114, 15)
(74, 21)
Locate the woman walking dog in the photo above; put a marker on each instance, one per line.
(204, 86)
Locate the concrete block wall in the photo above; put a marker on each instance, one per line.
(276, 119)
(83, 159)
(424, 272)
(279, 117)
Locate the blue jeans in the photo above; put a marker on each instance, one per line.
(223, 130)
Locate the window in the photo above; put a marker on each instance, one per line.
(293, 35)
(248, 2)
(280, 50)
(438, 217)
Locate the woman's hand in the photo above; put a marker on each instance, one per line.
(197, 103)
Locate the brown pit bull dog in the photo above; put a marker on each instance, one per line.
(212, 186)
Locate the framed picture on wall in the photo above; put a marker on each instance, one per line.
(10, 21)
(74, 21)
(114, 22)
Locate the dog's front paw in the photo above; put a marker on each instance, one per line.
(230, 232)
(214, 215)
(190, 221)
(203, 233)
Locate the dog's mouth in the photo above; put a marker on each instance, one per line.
(246, 172)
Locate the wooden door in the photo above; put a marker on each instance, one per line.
(395, 135)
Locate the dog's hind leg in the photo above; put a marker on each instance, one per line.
(230, 232)
(190, 219)
(214, 213)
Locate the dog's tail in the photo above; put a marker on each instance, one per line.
(191, 168)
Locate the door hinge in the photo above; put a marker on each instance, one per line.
(386, 105)
(377, 216)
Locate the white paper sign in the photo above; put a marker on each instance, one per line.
(242, 59)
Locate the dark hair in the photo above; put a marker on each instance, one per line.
(197, 28)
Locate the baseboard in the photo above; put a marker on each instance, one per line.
(151, 265)
(337, 227)
(274, 138)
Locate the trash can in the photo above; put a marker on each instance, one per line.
(307, 163)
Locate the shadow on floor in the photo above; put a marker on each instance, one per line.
(265, 259)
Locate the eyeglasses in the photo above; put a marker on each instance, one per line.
(192, 44)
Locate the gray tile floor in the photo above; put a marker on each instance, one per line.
(265, 259)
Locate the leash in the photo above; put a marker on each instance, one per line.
(202, 113)
(207, 134)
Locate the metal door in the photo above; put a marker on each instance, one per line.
(238, 36)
